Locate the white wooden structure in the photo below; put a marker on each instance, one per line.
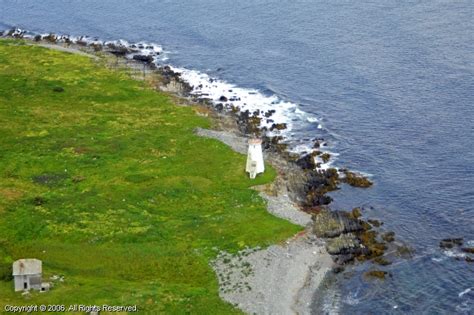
(255, 163)
(27, 275)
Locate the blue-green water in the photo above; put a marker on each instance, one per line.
(390, 82)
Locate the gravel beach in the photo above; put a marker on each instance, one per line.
(281, 279)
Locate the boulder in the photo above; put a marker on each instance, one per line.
(143, 58)
(345, 244)
(334, 223)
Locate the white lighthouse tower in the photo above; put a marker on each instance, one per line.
(255, 158)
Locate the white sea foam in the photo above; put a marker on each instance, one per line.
(454, 254)
(464, 292)
(352, 298)
(230, 95)
(438, 259)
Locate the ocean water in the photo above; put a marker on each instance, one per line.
(388, 84)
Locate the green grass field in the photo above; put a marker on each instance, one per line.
(103, 180)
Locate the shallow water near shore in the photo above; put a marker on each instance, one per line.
(390, 85)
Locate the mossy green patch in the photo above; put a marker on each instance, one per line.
(104, 180)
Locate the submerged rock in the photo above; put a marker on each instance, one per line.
(382, 261)
(379, 274)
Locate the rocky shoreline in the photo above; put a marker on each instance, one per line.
(282, 277)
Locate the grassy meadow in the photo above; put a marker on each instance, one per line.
(103, 180)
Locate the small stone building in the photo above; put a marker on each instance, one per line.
(27, 274)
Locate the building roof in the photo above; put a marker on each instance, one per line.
(28, 266)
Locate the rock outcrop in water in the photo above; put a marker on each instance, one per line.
(455, 246)
(334, 223)
(356, 180)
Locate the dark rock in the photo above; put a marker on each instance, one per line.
(118, 50)
(334, 223)
(280, 126)
(374, 247)
(375, 223)
(96, 46)
(356, 180)
(143, 58)
(269, 113)
(343, 259)
(343, 245)
(382, 261)
(469, 259)
(338, 269)
(306, 162)
(451, 242)
(81, 42)
(223, 99)
(388, 237)
(58, 89)
(219, 107)
(325, 157)
(50, 38)
(317, 184)
(469, 250)
(356, 213)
